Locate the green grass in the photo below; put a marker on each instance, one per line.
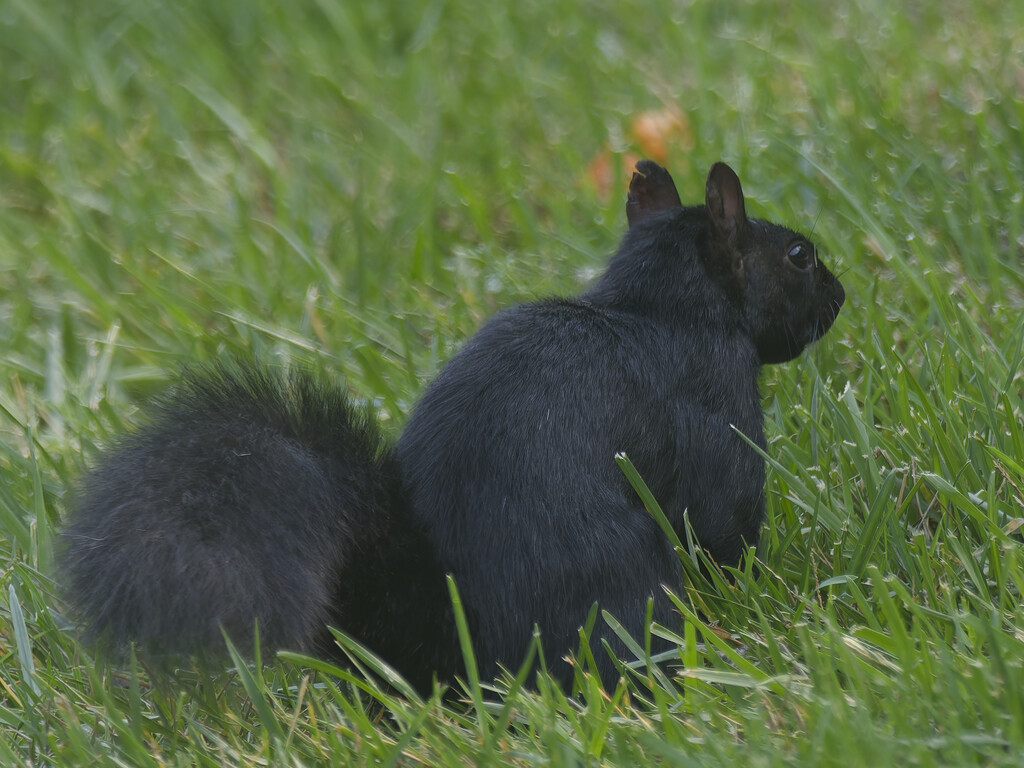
(363, 183)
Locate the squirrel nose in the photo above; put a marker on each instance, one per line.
(838, 294)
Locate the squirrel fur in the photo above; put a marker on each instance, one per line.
(255, 498)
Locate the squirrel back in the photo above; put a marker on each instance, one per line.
(250, 497)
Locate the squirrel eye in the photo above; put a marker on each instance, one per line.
(800, 255)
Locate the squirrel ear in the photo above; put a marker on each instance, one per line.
(650, 190)
(724, 198)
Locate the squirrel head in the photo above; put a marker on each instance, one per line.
(786, 296)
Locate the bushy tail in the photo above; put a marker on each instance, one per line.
(254, 496)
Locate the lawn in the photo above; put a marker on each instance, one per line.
(357, 186)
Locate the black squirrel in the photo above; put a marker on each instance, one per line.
(255, 496)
